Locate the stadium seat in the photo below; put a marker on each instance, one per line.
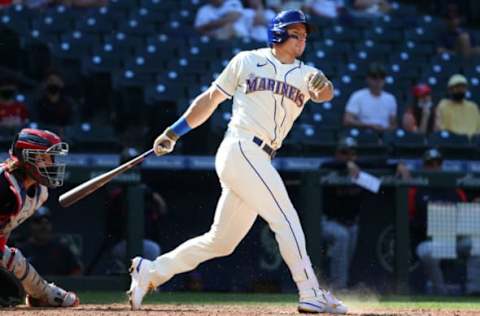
(50, 23)
(13, 23)
(165, 91)
(128, 77)
(146, 15)
(160, 6)
(373, 50)
(404, 144)
(384, 35)
(369, 142)
(96, 24)
(310, 140)
(92, 138)
(421, 34)
(343, 34)
(123, 42)
(451, 144)
(136, 27)
(146, 63)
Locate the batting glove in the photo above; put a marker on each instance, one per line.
(316, 82)
(165, 143)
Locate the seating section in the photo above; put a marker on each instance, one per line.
(151, 47)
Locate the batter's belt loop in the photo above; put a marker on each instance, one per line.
(265, 147)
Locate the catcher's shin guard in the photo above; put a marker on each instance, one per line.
(35, 286)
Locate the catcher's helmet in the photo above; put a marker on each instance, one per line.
(41, 154)
(277, 30)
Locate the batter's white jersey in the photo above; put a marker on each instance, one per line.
(268, 95)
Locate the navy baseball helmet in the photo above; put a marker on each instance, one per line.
(277, 30)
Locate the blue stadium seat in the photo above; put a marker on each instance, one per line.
(52, 23)
(75, 45)
(373, 50)
(451, 144)
(343, 34)
(310, 140)
(124, 43)
(404, 144)
(384, 35)
(96, 24)
(87, 137)
(421, 34)
(170, 43)
(100, 62)
(145, 64)
(12, 22)
(150, 16)
(127, 77)
(136, 27)
(159, 5)
(165, 91)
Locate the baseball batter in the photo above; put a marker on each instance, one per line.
(35, 164)
(269, 88)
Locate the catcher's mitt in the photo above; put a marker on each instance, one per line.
(11, 290)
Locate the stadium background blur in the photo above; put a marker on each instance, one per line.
(132, 66)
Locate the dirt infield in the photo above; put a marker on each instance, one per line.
(240, 310)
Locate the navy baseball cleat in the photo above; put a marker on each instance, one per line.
(140, 284)
(324, 303)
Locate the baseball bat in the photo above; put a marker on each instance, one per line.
(79, 192)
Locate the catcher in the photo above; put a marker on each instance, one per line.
(36, 163)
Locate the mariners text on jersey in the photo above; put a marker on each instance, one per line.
(278, 87)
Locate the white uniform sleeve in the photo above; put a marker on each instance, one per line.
(353, 104)
(228, 80)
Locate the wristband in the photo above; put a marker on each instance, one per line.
(180, 127)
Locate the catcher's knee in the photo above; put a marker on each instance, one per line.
(14, 262)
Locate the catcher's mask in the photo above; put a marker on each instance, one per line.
(42, 155)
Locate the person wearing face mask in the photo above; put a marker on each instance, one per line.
(456, 114)
(13, 114)
(418, 117)
(53, 106)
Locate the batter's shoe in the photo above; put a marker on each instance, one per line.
(140, 284)
(325, 302)
(57, 297)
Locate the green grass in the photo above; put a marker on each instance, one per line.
(387, 302)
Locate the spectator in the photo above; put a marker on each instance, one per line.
(13, 114)
(116, 228)
(331, 9)
(418, 117)
(342, 206)
(418, 199)
(257, 18)
(221, 19)
(370, 8)
(372, 107)
(456, 114)
(282, 5)
(455, 39)
(49, 255)
(53, 107)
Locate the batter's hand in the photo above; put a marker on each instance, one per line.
(165, 143)
(316, 82)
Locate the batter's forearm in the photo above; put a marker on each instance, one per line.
(203, 107)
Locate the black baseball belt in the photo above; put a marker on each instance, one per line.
(265, 147)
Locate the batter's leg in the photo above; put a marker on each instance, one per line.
(258, 183)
